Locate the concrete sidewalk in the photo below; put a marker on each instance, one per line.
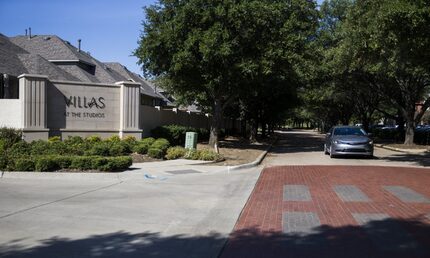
(176, 208)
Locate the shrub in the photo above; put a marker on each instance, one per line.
(100, 149)
(3, 161)
(143, 145)
(2, 145)
(41, 147)
(175, 134)
(74, 140)
(120, 163)
(93, 139)
(192, 154)
(118, 149)
(21, 148)
(111, 163)
(82, 162)
(45, 163)
(63, 162)
(54, 139)
(206, 154)
(24, 164)
(10, 136)
(113, 138)
(161, 144)
(175, 152)
(156, 153)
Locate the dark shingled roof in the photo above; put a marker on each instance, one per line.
(16, 61)
(128, 75)
(50, 47)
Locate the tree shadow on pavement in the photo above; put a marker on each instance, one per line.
(297, 141)
(385, 238)
(418, 159)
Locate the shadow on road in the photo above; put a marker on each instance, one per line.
(422, 160)
(298, 141)
(385, 238)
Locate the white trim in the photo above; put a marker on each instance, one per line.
(86, 83)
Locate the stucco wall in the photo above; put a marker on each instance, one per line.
(10, 113)
(80, 106)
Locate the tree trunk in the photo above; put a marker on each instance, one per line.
(410, 127)
(254, 129)
(215, 125)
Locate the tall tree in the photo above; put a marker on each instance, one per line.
(212, 51)
(387, 42)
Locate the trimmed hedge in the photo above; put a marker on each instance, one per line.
(175, 134)
(175, 152)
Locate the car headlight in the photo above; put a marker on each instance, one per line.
(370, 142)
(336, 141)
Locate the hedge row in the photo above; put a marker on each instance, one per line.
(54, 163)
(175, 134)
(205, 154)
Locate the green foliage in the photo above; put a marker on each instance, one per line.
(100, 149)
(74, 140)
(175, 152)
(143, 145)
(113, 138)
(192, 154)
(54, 139)
(40, 147)
(24, 164)
(46, 163)
(175, 134)
(21, 148)
(155, 153)
(119, 149)
(93, 139)
(3, 161)
(161, 144)
(211, 53)
(209, 155)
(82, 162)
(10, 136)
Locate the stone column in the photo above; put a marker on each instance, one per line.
(32, 93)
(129, 109)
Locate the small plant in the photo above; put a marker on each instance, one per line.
(82, 162)
(74, 140)
(93, 139)
(206, 154)
(100, 149)
(54, 139)
(175, 152)
(161, 144)
(113, 138)
(143, 145)
(21, 148)
(10, 136)
(24, 164)
(45, 163)
(192, 154)
(155, 153)
(118, 149)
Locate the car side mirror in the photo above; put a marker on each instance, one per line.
(327, 134)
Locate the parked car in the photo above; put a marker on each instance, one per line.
(348, 140)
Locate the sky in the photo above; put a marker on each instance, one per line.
(109, 29)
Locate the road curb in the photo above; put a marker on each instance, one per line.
(408, 151)
(256, 162)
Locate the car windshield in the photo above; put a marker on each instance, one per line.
(349, 131)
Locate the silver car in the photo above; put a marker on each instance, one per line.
(348, 140)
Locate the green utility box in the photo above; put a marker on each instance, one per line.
(190, 140)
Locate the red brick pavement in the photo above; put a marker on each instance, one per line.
(258, 232)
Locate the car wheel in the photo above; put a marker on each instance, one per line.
(331, 153)
(325, 150)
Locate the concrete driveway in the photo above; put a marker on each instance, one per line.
(173, 209)
(305, 147)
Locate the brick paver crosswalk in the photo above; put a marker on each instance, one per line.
(335, 211)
